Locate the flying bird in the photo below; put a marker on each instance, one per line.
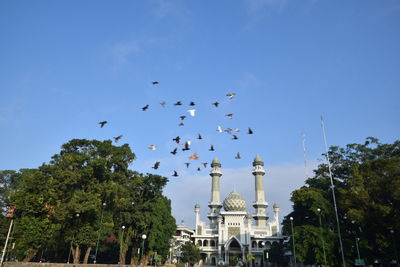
(215, 104)
(156, 165)
(181, 124)
(194, 156)
(234, 137)
(199, 137)
(228, 130)
(229, 115)
(192, 103)
(192, 112)
(179, 103)
(205, 164)
(152, 147)
(102, 123)
(187, 164)
(198, 169)
(173, 152)
(175, 174)
(219, 129)
(116, 139)
(187, 144)
(231, 95)
(162, 103)
(237, 156)
(177, 139)
(211, 148)
(145, 107)
(182, 117)
(250, 131)
(155, 83)
(236, 130)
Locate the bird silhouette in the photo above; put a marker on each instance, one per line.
(177, 139)
(212, 148)
(250, 131)
(228, 130)
(173, 152)
(187, 144)
(215, 104)
(231, 95)
(205, 164)
(187, 164)
(192, 112)
(152, 147)
(194, 156)
(236, 130)
(219, 129)
(181, 124)
(145, 107)
(192, 103)
(229, 115)
(179, 103)
(156, 165)
(116, 139)
(175, 174)
(182, 117)
(234, 137)
(199, 137)
(237, 156)
(155, 83)
(102, 123)
(162, 103)
(198, 169)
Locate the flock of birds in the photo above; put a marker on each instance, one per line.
(186, 144)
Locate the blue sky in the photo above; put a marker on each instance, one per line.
(66, 65)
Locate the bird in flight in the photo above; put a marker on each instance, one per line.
(198, 169)
(237, 156)
(250, 131)
(116, 139)
(187, 144)
(155, 83)
(212, 148)
(192, 112)
(236, 130)
(152, 147)
(194, 156)
(205, 164)
(175, 174)
(187, 164)
(145, 107)
(228, 130)
(102, 123)
(230, 115)
(162, 103)
(234, 137)
(231, 95)
(199, 137)
(179, 103)
(181, 124)
(173, 152)
(215, 104)
(177, 139)
(182, 117)
(192, 103)
(156, 165)
(219, 129)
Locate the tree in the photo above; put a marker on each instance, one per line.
(190, 253)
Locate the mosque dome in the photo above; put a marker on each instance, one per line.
(234, 202)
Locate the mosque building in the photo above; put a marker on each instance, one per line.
(232, 233)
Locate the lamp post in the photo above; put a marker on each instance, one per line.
(98, 236)
(322, 237)
(144, 236)
(121, 244)
(394, 247)
(294, 249)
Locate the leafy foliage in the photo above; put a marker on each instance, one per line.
(190, 253)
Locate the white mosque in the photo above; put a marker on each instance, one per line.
(233, 233)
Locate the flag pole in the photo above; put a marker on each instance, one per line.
(333, 192)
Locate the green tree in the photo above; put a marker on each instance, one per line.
(190, 253)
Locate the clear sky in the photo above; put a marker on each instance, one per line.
(66, 65)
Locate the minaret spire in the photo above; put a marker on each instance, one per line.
(215, 203)
(260, 204)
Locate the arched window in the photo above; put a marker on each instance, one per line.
(260, 244)
(199, 243)
(213, 261)
(205, 243)
(254, 244)
(212, 243)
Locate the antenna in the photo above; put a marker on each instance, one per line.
(303, 141)
(333, 192)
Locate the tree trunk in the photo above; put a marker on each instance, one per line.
(77, 254)
(86, 258)
(30, 256)
(122, 256)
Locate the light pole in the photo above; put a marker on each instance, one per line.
(294, 249)
(322, 237)
(358, 251)
(144, 236)
(121, 244)
(394, 247)
(98, 236)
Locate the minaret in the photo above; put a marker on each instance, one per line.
(260, 204)
(215, 204)
(197, 213)
(276, 216)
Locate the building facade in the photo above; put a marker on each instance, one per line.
(232, 233)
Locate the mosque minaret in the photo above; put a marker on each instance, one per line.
(233, 233)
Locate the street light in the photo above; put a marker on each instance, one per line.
(322, 237)
(394, 247)
(98, 236)
(294, 249)
(144, 236)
